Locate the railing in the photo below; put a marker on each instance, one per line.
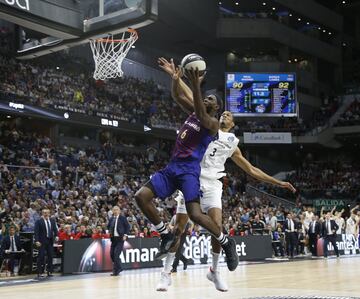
(251, 190)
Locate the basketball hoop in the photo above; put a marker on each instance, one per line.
(109, 54)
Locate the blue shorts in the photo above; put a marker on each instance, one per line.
(183, 176)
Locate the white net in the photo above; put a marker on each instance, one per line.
(109, 54)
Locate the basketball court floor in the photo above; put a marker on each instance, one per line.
(305, 278)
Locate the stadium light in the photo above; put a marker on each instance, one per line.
(273, 8)
(290, 14)
(307, 23)
(264, 3)
(237, 3)
(299, 19)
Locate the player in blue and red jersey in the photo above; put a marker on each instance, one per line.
(183, 171)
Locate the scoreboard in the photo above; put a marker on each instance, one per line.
(261, 95)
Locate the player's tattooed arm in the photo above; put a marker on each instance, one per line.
(257, 173)
(206, 120)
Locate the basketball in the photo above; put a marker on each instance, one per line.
(193, 61)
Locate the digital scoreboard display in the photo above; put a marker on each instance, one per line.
(249, 94)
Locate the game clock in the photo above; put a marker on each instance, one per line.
(250, 94)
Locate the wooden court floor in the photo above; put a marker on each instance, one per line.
(332, 277)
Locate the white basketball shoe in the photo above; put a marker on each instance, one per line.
(214, 276)
(164, 283)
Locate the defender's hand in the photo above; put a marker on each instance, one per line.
(287, 185)
(165, 65)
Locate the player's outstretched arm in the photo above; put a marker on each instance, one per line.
(178, 95)
(257, 173)
(206, 120)
(169, 67)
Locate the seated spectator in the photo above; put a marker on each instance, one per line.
(83, 233)
(66, 234)
(257, 226)
(11, 248)
(99, 234)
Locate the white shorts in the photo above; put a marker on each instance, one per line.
(211, 196)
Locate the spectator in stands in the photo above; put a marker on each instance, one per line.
(83, 233)
(340, 221)
(66, 233)
(277, 238)
(257, 226)
(352, 225)
(99, 234)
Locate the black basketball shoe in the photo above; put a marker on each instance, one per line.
(232, 258)
(166, 242)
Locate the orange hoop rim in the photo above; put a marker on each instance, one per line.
(106, 40)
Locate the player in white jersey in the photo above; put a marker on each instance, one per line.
(212, 169)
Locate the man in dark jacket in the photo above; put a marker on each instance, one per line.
(118, 228)
(45, 234)
(11, 248)
(314, 233)
(329, 234)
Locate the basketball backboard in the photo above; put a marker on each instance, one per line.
(93, 19)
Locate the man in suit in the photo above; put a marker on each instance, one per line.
(329, 234)
(290, 235)
(11, 248)
(119, 228)
(46, 232)
(314, 234)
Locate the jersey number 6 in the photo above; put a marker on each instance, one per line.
(183, 134)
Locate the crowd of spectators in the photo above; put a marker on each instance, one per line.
(80, 187)
(128, 99)
(336, 178)
(123, 99)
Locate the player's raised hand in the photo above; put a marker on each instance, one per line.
(287, 185)
(166, 65)
(194, 77)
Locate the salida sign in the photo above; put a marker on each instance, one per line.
(330, 203)
(22, 4)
